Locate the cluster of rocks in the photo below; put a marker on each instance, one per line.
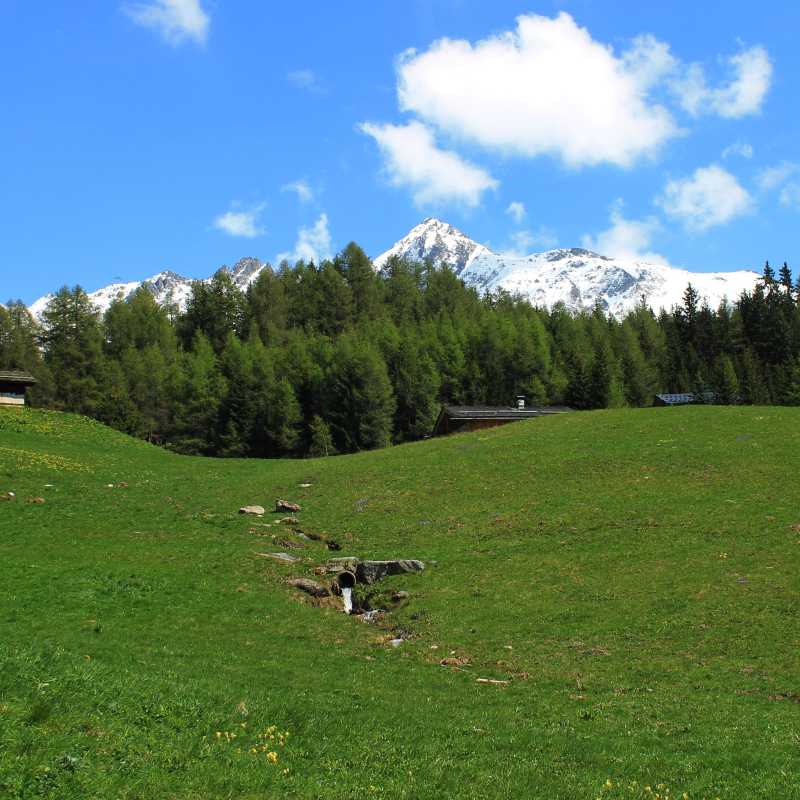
(370, 572)
(366, 572)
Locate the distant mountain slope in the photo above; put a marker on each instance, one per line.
(576, 277)
(167, 286)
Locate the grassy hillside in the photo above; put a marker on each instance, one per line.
(631, 575)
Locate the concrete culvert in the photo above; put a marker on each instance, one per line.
(346, 579)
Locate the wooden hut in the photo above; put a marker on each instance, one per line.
(683, 399)
(12, 387)
(463, 419)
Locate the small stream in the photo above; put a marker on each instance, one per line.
(347, 596)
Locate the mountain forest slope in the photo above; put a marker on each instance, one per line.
(336, 358)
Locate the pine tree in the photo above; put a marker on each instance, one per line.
(785, 278)
(356, 268)
(71, 338)
(321, 440)
(115, 407)
(725, 384)
(199, 396)
(215, 309)
(360, 397)
(416, 384)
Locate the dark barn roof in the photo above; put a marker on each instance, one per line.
(454, 418)
(683, 399)
(17, 377)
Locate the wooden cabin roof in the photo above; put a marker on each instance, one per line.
(17, 377)
(500, 412)
(494, 413)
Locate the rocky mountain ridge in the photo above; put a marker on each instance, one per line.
(576, 277)
(166, 287)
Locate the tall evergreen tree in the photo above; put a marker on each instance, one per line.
(72, 341)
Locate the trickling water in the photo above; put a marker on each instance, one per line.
(347, 596)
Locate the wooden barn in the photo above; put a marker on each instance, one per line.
(464, 419)
(683, 399)
(12, 387)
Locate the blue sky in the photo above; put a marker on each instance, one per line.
(186, 134)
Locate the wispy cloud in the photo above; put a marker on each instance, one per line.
(304, 191)
(770, 177)
(711, 196)
(175, 20)
(627, 239)
(790, 194)
(738, 149)
(305, 79)
(312, 243)
(743, 94)
(524, 243)
(240, 223)
(517, 210)
(434, 176)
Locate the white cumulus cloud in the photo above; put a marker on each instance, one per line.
(305, 79)
(174, 19)
(743, 94)
(304, 191)
(627, 239)
(517, 210)
(434, 176)
(240, 223)
(709, 197)
(313, 244)
(546, 88)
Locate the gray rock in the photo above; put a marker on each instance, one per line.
(289, 521)
(339, 564)
(372, 571)
(400, 596)
(285, 505)
(310, 587)
(257, 510)
(281, 556)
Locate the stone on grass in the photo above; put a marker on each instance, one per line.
(281, 556)
(289, 521)
(310, 587)
(285, 505)
(255, 510)
(372, 571)
(338, 564)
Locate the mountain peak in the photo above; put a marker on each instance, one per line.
(438, 241)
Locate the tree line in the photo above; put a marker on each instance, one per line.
(315, 360)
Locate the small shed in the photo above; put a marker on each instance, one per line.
(464, 419)
(683, 399)
(12, 387)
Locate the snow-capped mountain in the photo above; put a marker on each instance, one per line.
(166, 287)
(438, 241)
(576, 277)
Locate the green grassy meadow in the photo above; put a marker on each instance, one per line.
(631, 576)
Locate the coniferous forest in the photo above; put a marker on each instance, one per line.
(315, 360)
